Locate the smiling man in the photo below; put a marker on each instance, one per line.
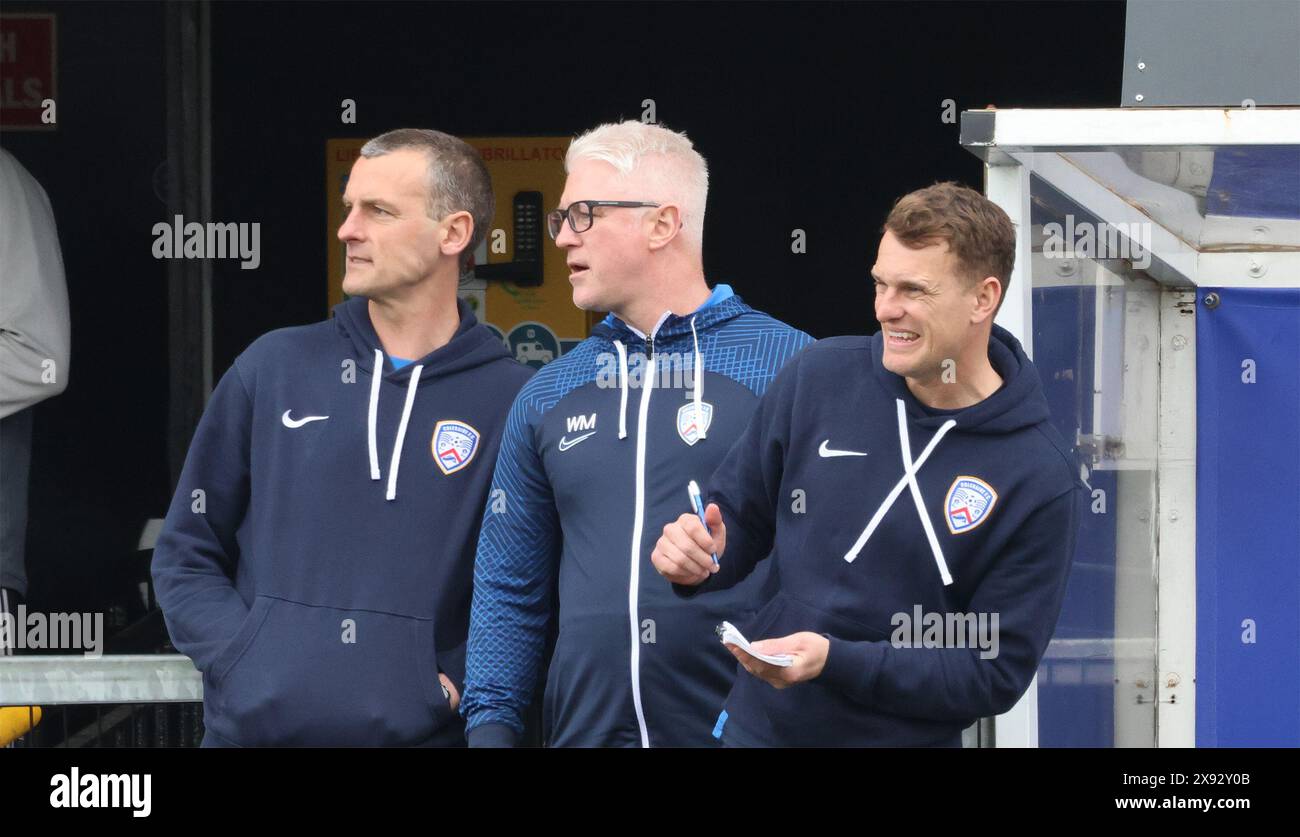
(600, 448)
(931, 482)
(317, 559)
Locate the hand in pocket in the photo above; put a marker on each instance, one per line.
(449, 689)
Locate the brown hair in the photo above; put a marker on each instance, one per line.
(978, 232)
(458, 179)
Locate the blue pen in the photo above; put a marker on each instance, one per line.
(697, 502)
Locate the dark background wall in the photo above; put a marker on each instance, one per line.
(812, 116)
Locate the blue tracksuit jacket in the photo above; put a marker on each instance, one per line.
(598, 451)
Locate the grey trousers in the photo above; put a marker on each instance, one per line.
(15, 468)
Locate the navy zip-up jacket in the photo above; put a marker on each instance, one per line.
(598, 451)
(318, 579)
(818, 482)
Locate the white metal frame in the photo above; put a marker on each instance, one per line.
(1106, 129)
(114, 678)
(1014, 143)
(1176, 527)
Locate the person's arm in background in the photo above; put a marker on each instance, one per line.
(513, 576)
(195, 557)
(744, 495)
(35, 333)
(1023, 590)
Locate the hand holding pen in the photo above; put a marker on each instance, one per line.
(686, 552)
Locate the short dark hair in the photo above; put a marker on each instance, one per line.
(978, 232)
(458, 178)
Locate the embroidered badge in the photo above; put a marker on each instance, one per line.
(454, 445)
(689, 425)
(969, 501)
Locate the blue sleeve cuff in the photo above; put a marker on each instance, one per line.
(492, 735)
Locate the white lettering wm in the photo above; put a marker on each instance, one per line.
(290, 422)
(576, 423)
(826, 452)
(119, 790)
(566, 443)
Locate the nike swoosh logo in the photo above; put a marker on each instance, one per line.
(826, 452)
(289, 422)
(565, 444)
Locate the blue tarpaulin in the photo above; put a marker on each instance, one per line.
(1248, 518)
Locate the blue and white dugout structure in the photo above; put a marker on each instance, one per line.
(1157, 289)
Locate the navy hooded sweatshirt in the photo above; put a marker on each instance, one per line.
(316, 561)
(873, 562)
(597, 455)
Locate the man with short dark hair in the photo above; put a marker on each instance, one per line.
(317, 559)
(918, 507)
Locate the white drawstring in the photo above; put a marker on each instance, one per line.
(622, 406)
(699, 385)
(401, 433)
(372, 421)
(908, 480)
(373, 417)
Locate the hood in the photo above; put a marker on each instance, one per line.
(721, 306)
(471, 346)
(1019, 402)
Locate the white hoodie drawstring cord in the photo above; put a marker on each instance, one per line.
(908, 480)
(401, 433)
(372, 421)
(373, 415)
(622, 405)
(700, 423)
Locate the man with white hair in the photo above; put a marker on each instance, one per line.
(601, 445)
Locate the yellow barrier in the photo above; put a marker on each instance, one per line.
(17, 721)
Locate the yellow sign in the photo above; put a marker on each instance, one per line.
(539, 323)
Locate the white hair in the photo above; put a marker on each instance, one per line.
(677, 173)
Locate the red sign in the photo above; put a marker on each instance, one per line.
(27, 70)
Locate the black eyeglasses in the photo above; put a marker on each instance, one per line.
(581, 215)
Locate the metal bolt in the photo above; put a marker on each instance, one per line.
(1139, 97)
(1179, 341)
(1173, 680)
(1143, 516)
(1142, 65)
(1256, 269)
(1173, 515)
(1211, 300)
(1141, 683)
